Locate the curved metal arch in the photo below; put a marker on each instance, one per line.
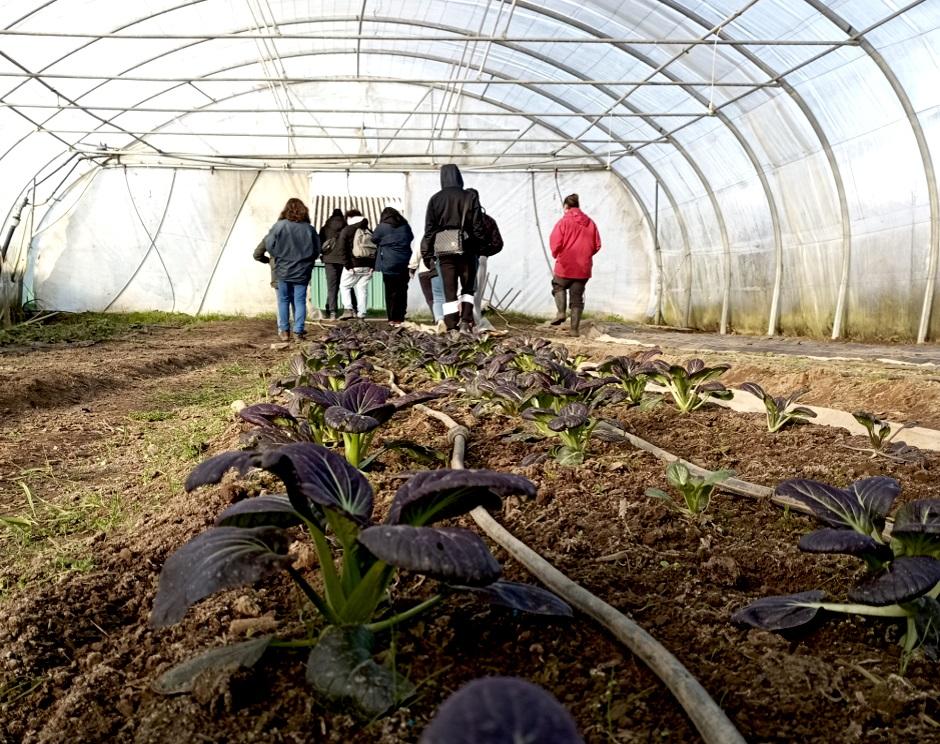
(723, 118)
(824, 142)
(922, 145)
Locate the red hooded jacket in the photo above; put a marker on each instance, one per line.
(574, 242)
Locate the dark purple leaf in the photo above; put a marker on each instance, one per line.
(501, 710)
(802, 411)
(781, 612)
(434, 495)
(834, 506)
(323, 398)
(900, 581)
(411, 399)
(365, 397)
(448, 554)
(876, 494)
(570, 416)
(920, 517)
(754, 389)
(694, 365)
(342, 419)
(273, 510)
(341, 668)
(265, 414)
(538, 414)
(213, 469)
(219, 558)
(522, 597)
(182, 678)
(314, 474)
(849, 542)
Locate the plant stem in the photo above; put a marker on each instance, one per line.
(403, 616)
(312, 595)
(301, 643)
(334, 589)
(862, 609)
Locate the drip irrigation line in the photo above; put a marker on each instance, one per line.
(153, 242)
(710, 720)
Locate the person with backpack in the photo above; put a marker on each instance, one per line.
(574, 241)
(393, 238)
(333, 261)
(453, 225)
(293, 244)
(488, 246)
(359, 252)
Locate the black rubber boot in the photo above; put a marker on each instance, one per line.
(561, 303)
(575, 321)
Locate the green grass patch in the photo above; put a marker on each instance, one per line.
(72, 327)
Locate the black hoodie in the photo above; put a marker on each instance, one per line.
(331, 229)
(446, 209)
(345, 241)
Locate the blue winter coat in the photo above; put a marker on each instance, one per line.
(394, 247)
(294, 246)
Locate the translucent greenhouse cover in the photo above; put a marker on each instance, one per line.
(752, 165)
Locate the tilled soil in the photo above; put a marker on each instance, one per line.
(78, 658)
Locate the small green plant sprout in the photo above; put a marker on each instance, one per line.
(696, 491)
(903, 579)
(693, 385)
(881, 437)
(780, 411)
(359, 560)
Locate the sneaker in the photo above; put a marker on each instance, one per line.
(301, 335)
(284, 335)
(347, 315)
(361, 317)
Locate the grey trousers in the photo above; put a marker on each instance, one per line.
(575, 288)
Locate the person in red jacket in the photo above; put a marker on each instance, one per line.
(574, 242)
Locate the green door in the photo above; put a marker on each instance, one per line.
(318, 290)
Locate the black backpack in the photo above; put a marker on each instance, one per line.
(492, 241)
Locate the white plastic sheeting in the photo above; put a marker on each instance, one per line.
(795, 179)
(182, 240)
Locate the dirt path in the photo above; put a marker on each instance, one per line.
(99, 438)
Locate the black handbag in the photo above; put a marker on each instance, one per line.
(450, 242)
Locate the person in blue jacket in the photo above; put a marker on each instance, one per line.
(393, 238)
(293, 244)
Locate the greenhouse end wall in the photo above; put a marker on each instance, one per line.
(181, 240)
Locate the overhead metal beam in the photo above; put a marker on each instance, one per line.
(478, 37)
(637, 114)
(293, 80)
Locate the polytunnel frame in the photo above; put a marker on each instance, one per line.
(741, 47)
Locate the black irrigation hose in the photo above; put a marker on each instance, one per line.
(712, 723)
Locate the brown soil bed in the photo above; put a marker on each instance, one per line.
(78, 657)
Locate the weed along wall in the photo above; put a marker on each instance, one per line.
(181, 240)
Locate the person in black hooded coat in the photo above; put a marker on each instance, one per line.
(452, 208)
(333, 259)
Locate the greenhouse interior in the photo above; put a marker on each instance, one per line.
(470, 371)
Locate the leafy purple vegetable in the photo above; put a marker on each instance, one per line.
(903, 580)
(219, 558)
(522, 597)
(342, 419)
(920, 518)
(780, 612)
(434, 495)
(570, 417)
(314, 474)
(182, 678)
(341, 667)
(273, 510)
(213, 469)
(448, 554)
(861, 507)
(501, 710)
(849, 542)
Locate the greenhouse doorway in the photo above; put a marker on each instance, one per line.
(321, 206)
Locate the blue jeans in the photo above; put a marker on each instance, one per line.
(437, 293)
(291, 293)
